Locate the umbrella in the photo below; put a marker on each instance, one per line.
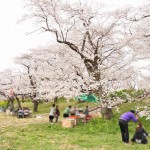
(87, 98)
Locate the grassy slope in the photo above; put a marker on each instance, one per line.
(99, 134)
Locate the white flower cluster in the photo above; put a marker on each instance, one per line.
(143, 111)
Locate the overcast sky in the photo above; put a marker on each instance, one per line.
(13, 38)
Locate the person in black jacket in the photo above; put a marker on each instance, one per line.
(140, 135)
(57, 113)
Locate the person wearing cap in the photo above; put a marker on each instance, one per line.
(123, 123)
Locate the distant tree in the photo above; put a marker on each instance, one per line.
(9, 88)
(139, 28)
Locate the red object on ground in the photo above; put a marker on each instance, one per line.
(74, 117)
(88, 117)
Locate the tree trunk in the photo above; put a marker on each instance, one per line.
(106, 113)
(12, 104)
(8, 101)
(18, 101)
(35, 109)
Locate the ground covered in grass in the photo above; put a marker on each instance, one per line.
(38, 134)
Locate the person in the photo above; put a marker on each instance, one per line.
(140, 134)
(86, 111)
(77, 111)
(72, 111)
(57, 113)
(67, 112)
(123, 123)
(51, 114)
(20, 113)
(82, 116)
(26, 112)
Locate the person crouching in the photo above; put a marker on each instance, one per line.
(140, 135)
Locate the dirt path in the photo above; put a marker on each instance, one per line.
(6, 120)
(12, 121)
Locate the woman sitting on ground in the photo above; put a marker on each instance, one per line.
(20, 113)
(140, 135)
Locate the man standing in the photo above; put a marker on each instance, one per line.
(51, 114)
(86, 111)
(57, 113)
(123, 123)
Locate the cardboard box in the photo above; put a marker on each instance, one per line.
(68, 123)
(76, 119)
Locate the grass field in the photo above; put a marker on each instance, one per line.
(38, 134)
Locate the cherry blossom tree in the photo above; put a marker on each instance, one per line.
(86, 29)
(10, 88)
(97, 37)
(138, 27)
(53, 72)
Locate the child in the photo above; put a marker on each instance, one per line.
(140, 135)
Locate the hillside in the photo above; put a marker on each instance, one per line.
(37, 133)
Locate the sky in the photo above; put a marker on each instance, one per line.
(13, 36)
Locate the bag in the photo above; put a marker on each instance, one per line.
(138, 141)
(56, 115)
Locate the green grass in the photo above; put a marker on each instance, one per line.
(2, 103)
(98, 134)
